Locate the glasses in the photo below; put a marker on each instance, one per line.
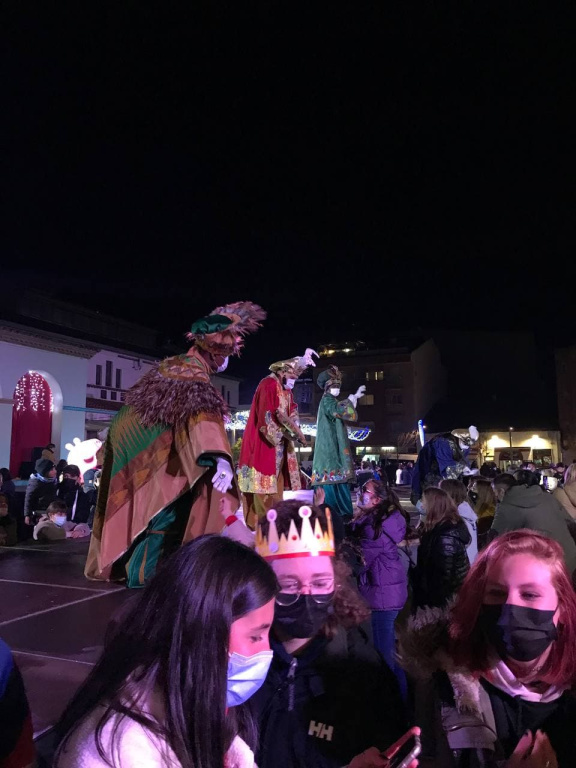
(320, 590)
(365, 490)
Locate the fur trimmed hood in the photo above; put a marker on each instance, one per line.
(423, 652)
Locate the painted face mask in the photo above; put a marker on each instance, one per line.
(517, 632)
(246, 674)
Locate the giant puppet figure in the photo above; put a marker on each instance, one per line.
(333, 465)
(268, 462)
(167, 461)
(442, 457)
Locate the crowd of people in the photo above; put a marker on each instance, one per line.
(338, 643)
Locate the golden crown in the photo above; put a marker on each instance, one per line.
(310, 542)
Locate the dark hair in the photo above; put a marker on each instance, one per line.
(5, 474)
(72, 469)
(175, 640)
(388, 502)
(3, 497)
(439, 508)
(49, 446)
(455, 489)
(349, 608)
(526, 477)
(56, 506)
(504, 480)
(60, 466)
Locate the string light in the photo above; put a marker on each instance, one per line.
(33, 391)
(240, 418)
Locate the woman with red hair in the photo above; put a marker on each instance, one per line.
(496, 671)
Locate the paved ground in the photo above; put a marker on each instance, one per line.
(54, 620)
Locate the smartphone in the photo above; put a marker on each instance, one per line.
(408, 751)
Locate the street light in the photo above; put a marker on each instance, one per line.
(510, 430)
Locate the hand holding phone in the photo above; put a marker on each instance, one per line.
(403, 754)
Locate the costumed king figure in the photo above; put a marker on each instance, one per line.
(268, 463)
(442, 457)
(333, 465)
(167, 460)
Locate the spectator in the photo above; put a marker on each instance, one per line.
(16, 735)
(71, 492)
(48, 453)
(524, 505)
(559, 471)
(400, 474)
(53, 525)
(483, 499)
(8, 525)
(41, 490)
(325, 670)
(92, 496)
(60, 468)
(489, 470)
(169, 687)
(459, 495)
(442, 556)
(496, 677)
(6, 483)
(567, 494)
(380, 527)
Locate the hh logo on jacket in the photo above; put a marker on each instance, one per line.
(320, 730)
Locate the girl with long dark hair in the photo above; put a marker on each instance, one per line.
(380, 526)
(169, 687)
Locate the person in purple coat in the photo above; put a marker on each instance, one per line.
(379, 526)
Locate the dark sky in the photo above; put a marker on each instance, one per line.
(354, 169)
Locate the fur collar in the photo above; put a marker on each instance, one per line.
(423, 652)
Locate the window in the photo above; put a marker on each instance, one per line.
(367, 375)
(113, 395)
(379, 376)
(98, 375)
(118, 378)
(394, 397)
(122, 396)
(108, 373)
(367, 400)
(103, 394)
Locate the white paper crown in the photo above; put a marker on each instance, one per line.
(311, 542)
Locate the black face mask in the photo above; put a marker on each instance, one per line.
(304, 618)
(517, 632)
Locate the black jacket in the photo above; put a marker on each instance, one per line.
(39, 495)
(343, 699)
(442, 564)
(77, 502)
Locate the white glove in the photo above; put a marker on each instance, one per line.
(359, 393)
(223, 476)
(307, 357)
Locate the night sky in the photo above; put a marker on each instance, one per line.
(359, 170)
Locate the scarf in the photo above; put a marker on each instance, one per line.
(501, 677)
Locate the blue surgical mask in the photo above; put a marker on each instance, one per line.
(246, 675)
(59, 520)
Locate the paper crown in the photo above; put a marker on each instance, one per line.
(310, 542)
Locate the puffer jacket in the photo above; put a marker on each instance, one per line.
(383, 581)
(40, 493)
(530, 507)
(442, 564)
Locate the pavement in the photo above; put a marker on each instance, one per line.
(54, 620)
